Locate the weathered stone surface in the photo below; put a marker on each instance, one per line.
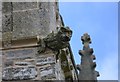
(59, 40)
(27, 19)
(50, 9)
(29, 23)
(59, 71)
(0, 19)
(56, 41)
(12, 57)
(65, 64)
(47, 72)
(6, 7)
(6, 38)
(0, 66)
(35, 20)
(45, 60)
(6, 22)
(1, 38)
(8, 63)
(20, 53)
(24, 5)
(19, 73)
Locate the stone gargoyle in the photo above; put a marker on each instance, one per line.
(56, 41)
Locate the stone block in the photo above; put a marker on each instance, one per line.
(19, 73)
(24, 5)
(6, 7)
(19, 55)
(45, 60)
(8, 63)
(30, 23)
(47, 72)
(6, 38)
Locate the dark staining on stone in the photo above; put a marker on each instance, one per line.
(45, 60)
(6, 23)
(19, 73)
(9, 63)
(47, 72)
(22, 63)
(65, 65)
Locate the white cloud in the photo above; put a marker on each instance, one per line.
(109, 67)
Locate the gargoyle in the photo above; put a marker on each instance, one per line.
(56, 41)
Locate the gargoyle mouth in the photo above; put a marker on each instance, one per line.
(66, 39)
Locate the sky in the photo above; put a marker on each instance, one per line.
(100, 21)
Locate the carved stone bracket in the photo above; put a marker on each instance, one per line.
(55, 41)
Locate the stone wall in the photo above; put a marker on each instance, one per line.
(23, 20)
(23, 25)
(26, 19)
(26, 63)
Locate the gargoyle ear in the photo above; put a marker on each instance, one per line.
(62, 29)
(68, 28)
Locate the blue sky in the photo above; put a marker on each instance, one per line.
(100, 21)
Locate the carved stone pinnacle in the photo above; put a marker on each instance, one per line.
(87, 66)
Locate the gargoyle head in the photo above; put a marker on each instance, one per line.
(59, 40)
(65, 34)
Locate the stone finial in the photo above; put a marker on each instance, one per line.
(85, 38)
(87, 66)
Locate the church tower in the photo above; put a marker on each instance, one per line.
(35, 43)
